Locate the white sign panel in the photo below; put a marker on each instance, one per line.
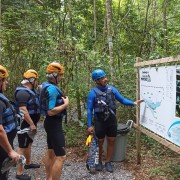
(160, 112)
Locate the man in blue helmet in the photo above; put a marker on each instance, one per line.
(101, 100)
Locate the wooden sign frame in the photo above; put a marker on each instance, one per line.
(139, 129)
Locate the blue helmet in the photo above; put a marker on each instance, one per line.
(97, 74)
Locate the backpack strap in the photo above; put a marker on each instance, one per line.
(100, 93)
(5, 101)
(8, 105)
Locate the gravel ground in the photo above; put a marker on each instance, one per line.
(71, 170)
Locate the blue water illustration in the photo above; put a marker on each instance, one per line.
(174, 132)
(152, 106)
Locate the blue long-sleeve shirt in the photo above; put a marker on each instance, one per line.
(92, 97)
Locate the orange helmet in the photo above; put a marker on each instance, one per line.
(30, 74)
(3, 72)
(55, 68)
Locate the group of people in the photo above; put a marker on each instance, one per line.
(50, 102)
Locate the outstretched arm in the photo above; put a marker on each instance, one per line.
(124, 100)
(136, 103)
(119, 97)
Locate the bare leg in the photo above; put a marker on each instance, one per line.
(27, 154)
(57, 167)
(110, 148)
(100, 142)
(49, 161)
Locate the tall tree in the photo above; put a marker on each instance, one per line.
(165, 28)
(94, 13)
(110, 34)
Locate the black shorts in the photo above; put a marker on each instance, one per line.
(56, 141)
(55, 135)
(106, 128)
(23, 139)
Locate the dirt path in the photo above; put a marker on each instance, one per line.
(72, 170)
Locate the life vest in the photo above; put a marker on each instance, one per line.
(8, 116)
(44, 99)
(105, 101)
(33, 105)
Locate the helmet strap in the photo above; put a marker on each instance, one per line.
(1, 87)
(55, 75)
(52, 75)
(31, 80)
(2, 80)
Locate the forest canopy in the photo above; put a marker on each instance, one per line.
(84, 35)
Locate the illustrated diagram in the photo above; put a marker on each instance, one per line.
(152, 96)
(160, 90)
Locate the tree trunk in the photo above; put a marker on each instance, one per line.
(165, 4)
(94, 13)
(109, 34)
(145, 28)
(154, 9)
(75, 63)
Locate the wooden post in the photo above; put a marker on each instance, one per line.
(158, 61)
(159, 139)
(138, 132)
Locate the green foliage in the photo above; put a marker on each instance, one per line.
(169, 169)
(75, 134)
(32, 35)
(166, 164)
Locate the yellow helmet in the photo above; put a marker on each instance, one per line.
(30, 74)
(55, 68)
(3, 72)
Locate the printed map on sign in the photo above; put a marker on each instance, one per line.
(153, 98)
(159, 110)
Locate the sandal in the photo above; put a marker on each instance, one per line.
(31, 166)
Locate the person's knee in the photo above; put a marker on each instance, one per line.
(61, 158)
(60, 151)
(50, 154)
(23, 150)
(100, 142)
(111, 140)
